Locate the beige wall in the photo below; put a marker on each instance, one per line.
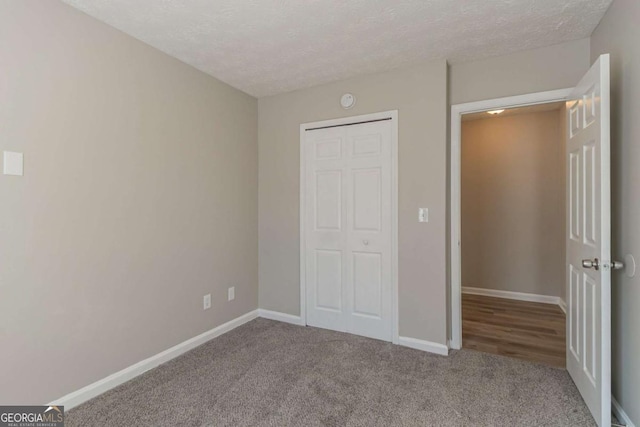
(548, 68)
(419, 93)
(513, 197)
(139, 197)
(618, 34)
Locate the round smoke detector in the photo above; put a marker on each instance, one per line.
(347, 101)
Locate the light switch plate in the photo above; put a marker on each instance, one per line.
(13, 163)
(423, 214)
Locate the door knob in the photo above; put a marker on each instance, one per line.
(594, 263)
(617, 265)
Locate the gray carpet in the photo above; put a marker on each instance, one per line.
(267, 373)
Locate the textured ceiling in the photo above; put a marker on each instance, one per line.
(265, 47)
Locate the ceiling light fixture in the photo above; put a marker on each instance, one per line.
(494, 112)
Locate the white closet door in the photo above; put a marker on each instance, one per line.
(326, 232)
(348, 228)
(369, 229)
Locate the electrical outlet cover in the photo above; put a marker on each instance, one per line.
(13, 163)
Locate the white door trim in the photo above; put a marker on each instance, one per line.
(393, 114)
(456, 134)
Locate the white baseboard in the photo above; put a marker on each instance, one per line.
(563, 305)
(77, 397)
(281, 317)
(403, 341)
(428, 346)
(520, 296)
(620, 414)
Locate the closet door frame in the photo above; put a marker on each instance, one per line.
(346, 121)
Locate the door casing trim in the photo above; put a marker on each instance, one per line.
(393, 114)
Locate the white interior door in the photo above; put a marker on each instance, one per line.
(348, 226)
(589, 241)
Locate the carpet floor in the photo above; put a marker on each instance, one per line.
(268, 373)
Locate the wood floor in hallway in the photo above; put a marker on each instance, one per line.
(524, 330)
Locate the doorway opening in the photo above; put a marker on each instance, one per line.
(513, 196)
(458, 112)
